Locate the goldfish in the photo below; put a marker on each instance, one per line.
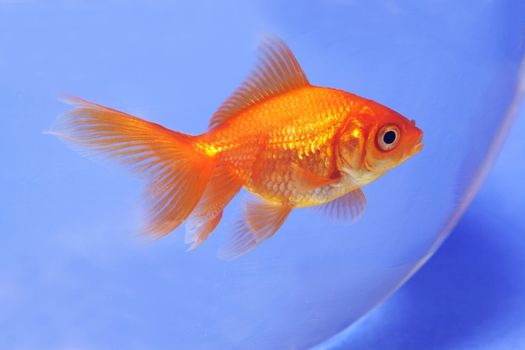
(290, 143)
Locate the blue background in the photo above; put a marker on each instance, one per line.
(75, 274)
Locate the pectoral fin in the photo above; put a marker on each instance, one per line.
(261, 220)
(305, 180)
(346, 208)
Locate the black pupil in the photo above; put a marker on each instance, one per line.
(389, 137)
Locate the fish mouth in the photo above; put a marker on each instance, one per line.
(419, 143)
(417, 148)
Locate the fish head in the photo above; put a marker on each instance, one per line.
(392, 139)
(376, 140)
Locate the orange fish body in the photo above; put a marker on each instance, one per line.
(289, 142)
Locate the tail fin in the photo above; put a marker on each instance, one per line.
(177, 172)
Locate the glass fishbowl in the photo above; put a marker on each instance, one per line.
(76, 274)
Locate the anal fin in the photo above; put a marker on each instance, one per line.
(223, 186)
(198, 229)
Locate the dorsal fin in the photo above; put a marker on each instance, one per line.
(276, 72)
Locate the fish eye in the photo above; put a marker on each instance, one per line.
(387, 137)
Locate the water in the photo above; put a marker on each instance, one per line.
(75, 273)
